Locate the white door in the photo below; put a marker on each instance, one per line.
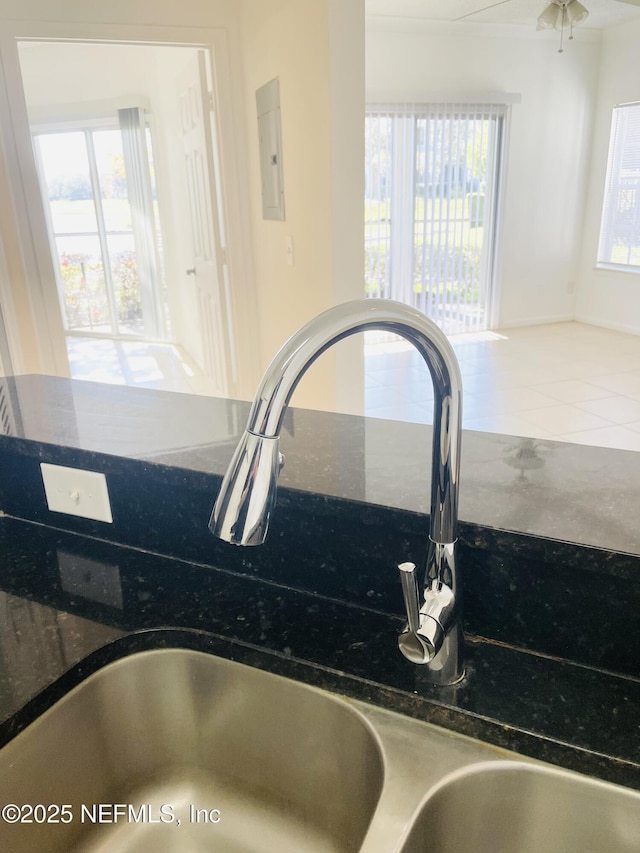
(206, 274)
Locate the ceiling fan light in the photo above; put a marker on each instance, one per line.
(576, 13)
(550, 17)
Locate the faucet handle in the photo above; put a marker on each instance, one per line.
(412, 644)
(423, 634)
(411, 595)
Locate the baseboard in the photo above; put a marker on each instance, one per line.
(607, 324)
(538, 321)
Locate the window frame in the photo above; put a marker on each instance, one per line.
(616, 155)
(402, 239)
(88, 125)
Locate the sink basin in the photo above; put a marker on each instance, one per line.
(512, 807)
(189, 752)
(177, 751)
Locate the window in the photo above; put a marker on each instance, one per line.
(98, 180)
(432, 182)
(620, 229)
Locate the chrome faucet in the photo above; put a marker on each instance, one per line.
(433, 633)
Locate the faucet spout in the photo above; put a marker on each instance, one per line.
(247, 496)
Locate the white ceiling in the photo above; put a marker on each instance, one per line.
(602, 13)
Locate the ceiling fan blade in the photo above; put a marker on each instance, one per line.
(501, 3)
(630, 2)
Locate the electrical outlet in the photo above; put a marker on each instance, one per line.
(76, 492)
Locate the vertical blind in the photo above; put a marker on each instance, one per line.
(432, 175)
(620, 227)
(140, 195)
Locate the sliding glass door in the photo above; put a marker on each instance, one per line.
(431, 189)
(98, 181)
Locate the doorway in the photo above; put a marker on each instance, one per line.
(432, 183)
(109, 146)
(432, 186)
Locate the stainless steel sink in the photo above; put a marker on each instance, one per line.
(510, 807)
(187, 752)
(262, 762)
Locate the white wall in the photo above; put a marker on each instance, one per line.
(310, 47)
(187, 13)
(607, 297)
(347, 99)
(67, 80)
(548, 145)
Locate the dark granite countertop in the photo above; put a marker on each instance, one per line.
(572, 493)
(553, 627)
(71, 604)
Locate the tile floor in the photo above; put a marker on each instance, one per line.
(566, 381)
(139, 363)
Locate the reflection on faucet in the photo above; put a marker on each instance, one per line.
(433, 633)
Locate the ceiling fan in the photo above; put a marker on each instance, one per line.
(557, 15)
(562, 4)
